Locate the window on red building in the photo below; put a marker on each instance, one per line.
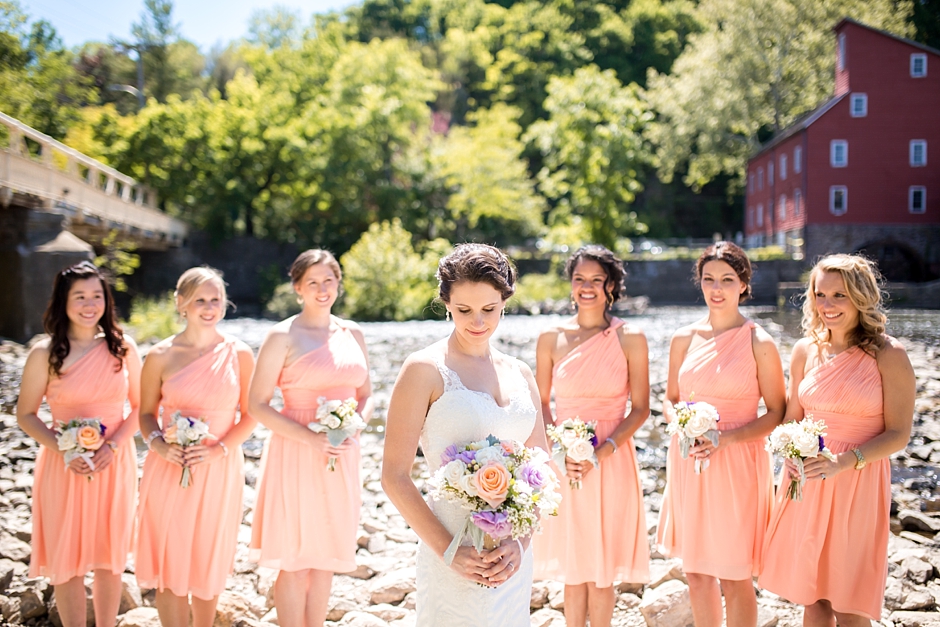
(798, 159)
(917, 199)
(918, 152)
(783, 167)
(838, 153)
(770, 173)
(840, 53)
(838, 199)
(797, 201)
(782, 207)
(760, 215)
(760, 179)
(859, 105)
(918, 65)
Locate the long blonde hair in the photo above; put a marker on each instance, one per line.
(192, 279)
(862, 280)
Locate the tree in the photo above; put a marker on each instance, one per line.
(759, 65)
(925, 17)
(274, 27)
(592, 151)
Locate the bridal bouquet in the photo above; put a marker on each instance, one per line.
(798, 441)
(186, 432)
(338, 420)
(505, 486)
(80, 437)
(694, 421)
(576, 439)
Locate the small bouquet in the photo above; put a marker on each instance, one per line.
(694, 421)
(186, 432)
(339, 420)
(576, 439)
(505, 486)
(798, 441)
(80, 437)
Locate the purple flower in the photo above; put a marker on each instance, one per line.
(594, 440)
(822, 443)
(449, 455)
(533, 475)
(467, 457)
(494, 523)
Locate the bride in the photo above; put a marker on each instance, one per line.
(457, 391)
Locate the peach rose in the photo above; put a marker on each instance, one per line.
(169, 434)
(492, 483)
(89, 438)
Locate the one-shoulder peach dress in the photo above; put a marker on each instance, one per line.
(833, 544)
(186, 537)
(81, 525)
(307, 517)
(715, 521)
(599, 535)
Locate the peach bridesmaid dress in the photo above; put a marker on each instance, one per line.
(81, 525)
(186, 537)
(715, 521)
(833, 544)
(306, 516)
(599, 534)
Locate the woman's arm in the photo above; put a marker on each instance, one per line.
(544, 363)
(151, 381)
(636, 350)
(32, 389)
(105, 455)
(364, 398)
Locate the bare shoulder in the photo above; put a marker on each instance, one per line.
(241, 348)
(802, 349)
(353, 328)
(760, 338)
(893, 355)
(631, 335)
(41, 349)
(683, 336)
(281, 329)
(129, 342)
(422, 364)
(161, 349)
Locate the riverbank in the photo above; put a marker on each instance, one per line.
(380, 592)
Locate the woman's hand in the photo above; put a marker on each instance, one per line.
(471, 565)
(822, 468)
(577, 470)
(201, 454)
(173, 453)
(504, 562)
(80, 467)
(102, 458)
(321, 443)
(703, 448)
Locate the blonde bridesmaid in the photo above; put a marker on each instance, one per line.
(715, 521)
(187, 536)
(829, 551)
(83, 514)
(306, 517)
(599, 369)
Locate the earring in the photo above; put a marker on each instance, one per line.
(502, 312)
(447, 315)
(574, 304)
(183, 314)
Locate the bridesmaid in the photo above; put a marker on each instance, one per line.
(86, 368)
(715, 520)
(596, 363)
(186, 537)
(306, 518)
(829, 551)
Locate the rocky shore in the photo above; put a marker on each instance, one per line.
(381, 591)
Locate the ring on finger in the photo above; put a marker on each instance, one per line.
(512, 566)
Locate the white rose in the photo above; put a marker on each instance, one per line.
(539, 456)
(466, 484)
(807, 444)
(489, 454)
(569, 437)
(580, 451)
(698, 424)
(453, 472)
(332, 422)
(191, 435)
(67, 440)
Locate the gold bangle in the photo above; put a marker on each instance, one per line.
(112, 444)
(859, 459)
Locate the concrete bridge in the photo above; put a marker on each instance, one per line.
(56, 206)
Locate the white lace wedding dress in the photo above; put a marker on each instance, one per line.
(460, 416)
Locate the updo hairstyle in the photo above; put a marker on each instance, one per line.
(192, 280)
(476, 263)
(612, 265)
(732, 255)
(310, 258)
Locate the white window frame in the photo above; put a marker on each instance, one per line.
(840, 53)
(797, 200)
(782, 207)
(798, 159)
(858, 112)
(833, 147)
(917, 143)
(770, 172)
(783, 167)
(760, 179)
(760, 216)
(832, 200)
(913, 189)
(915, 57)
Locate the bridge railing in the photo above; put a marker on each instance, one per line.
(83, 188)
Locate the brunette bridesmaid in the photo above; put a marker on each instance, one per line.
(187, 536)
(715, 521)
(599, 369)
(83, 513)
(306, 517)
(829, 551)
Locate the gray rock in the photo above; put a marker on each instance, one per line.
(270, 617)
(362, 619)
(387, 612)
(766, 617)
(667, 606)
(915, 619)
(917, 570)
(14, 549)
(539, 596)
(667, 570)
(231, 607)
(917, 600)
(141, 617)
(337, 607)
(56, 620)
(913, 520)
(547, 617)
(392, 587)
(130, 594)
(33, 599)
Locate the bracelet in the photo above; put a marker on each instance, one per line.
(224, 448)
(612, 443)
(156, 433)
(859, 459)
(112, 444)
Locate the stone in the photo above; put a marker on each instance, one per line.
(556, 595)
(916, 538)
(392, 587)
(913, 520)
(894, 594)
(630, 588)
(387, 612)
(337, 607)
(362, 619)
(33, 599)
(10, 607)
(408, 621)
(7, 570)
(667, 606)
(547, 617)
(377, 543)
(917, 600)
(130, 594)
(141, 617)
(766, 617)
(266, 579)
(270, 617)
(915, 619)
(410, 602)
(629, 599)
(539, 595)
(663, 571)
(231, 607)
(917, 570)
(405, 536)
(362, 572)
(56, 620)
(362, 540)
(14, 549)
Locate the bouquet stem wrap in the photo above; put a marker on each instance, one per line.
(339, 420)
(798, 441)
(693, 422)
(576, 439)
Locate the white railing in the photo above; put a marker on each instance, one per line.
(83, 188)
